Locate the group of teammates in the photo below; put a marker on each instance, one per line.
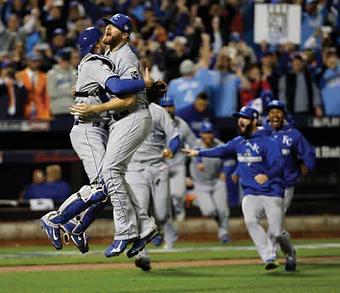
(269, 162)
(112, 135)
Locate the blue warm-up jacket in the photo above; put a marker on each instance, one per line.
(258, 154)
(295, 148)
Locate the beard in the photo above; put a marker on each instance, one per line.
(246, 132)
(112, 41)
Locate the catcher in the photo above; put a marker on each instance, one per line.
(154, 93)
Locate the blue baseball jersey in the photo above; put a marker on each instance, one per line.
(294, 148)
(222, 89)
(194, 118)
(184, 91)
(330, 87)
(258, 154)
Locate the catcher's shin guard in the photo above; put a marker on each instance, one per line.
(78, 202)
(88, 217)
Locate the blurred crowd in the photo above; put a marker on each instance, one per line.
(203, 49)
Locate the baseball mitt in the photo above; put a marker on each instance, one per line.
(156, 91)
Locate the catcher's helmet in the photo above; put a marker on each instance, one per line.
(88, 39)
(120, 21)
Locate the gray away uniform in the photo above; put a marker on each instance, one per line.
(177, 181)
(88, 137)
(148, 172)
(211, 190)
(125, 136)
(177, 165)
(88, 141)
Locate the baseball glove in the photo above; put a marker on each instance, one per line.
(156, 91)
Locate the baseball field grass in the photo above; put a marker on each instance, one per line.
(190, 267)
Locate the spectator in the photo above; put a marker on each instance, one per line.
(58, 40)
(54, 19)
(222, 84)
(330, 85)
(12, 34)
(55, 187)
(60, 80)
(12, 95)
(174, 57)
(270, 72)
(241, 49)
(38, 103)
(312, 20)
(196, 113)
(298, 90)
(258, 83)
(75, 58)
(35, 189)
(183, 90)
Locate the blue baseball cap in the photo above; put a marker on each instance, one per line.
(207, 127)
(88, 39)
(120, 21)
(247, 112)
(166, 102)
(276, 104)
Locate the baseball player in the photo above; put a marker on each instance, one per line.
(89, 138)
(148, 171)
(177, 173)
(209, 183)
(260, 168)
(298, 155)
(126, 134)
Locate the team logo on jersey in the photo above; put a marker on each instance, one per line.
(134, 73)
(254, 147)
(287, 140)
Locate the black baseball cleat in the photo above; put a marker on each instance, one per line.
(139, 244)
(290, 265)
(143, 263)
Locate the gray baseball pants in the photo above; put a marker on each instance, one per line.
(125, 136)
(151, 185)
(212, 200)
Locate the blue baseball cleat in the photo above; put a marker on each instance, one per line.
(225, 239)
(117, 247)
(158, 240)
(80, 241)
(52, 231)
(139, 244)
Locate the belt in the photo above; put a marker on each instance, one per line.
(81, 94)
(123, 114)
(101, 124)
